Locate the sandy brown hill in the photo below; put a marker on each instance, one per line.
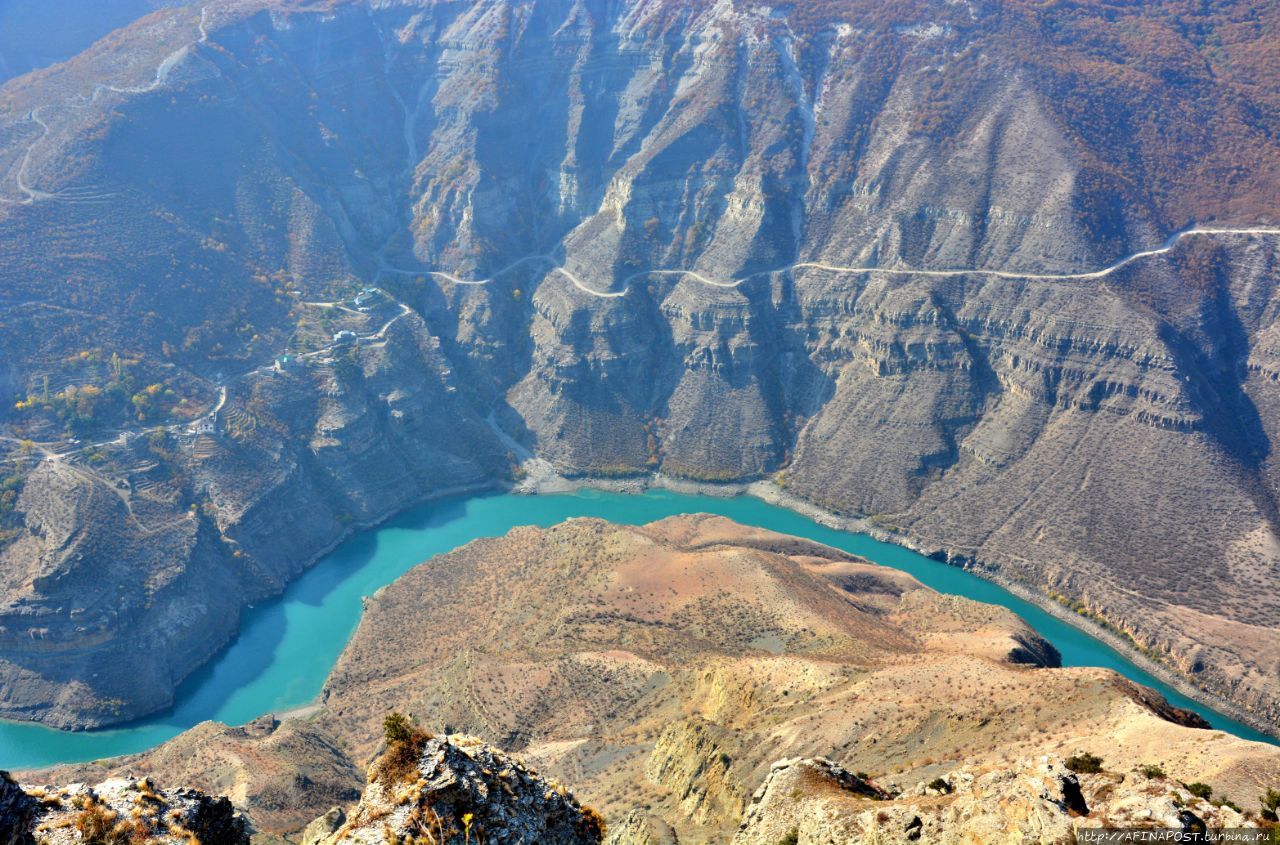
(666, 667)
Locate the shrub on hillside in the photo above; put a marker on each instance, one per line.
(1084, 764)
(397, 728)
(1270, 805)
(596, 822)
(99, 825)
(1200, 790)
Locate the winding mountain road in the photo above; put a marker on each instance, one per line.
(1169, 244)
(32, 195)
(1007, 274)
(21, 178)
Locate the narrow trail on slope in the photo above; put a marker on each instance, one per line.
(21, 178)
(1007, 274)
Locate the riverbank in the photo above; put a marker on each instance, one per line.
(287, 648)
(306, 711)
(543, 480)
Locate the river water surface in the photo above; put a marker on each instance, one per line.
(286, 647)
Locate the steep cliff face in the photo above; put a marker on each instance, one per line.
(688, 761)
(142, 553)
(675, 210)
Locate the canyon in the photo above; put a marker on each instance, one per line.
(852, 249)
(994, 280)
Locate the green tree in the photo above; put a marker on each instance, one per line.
(397, 728)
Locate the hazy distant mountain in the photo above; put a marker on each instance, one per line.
(37, 33)
(211, 187)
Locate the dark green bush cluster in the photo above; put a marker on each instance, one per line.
(1200, 790)
(1084, 764)
(1270, 805)
(397, 728)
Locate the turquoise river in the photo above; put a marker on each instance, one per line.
(286, 647)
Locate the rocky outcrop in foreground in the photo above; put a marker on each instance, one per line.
(460, 790)
(17, 812)
(807, 801)
(281, 775)
(116, 811)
